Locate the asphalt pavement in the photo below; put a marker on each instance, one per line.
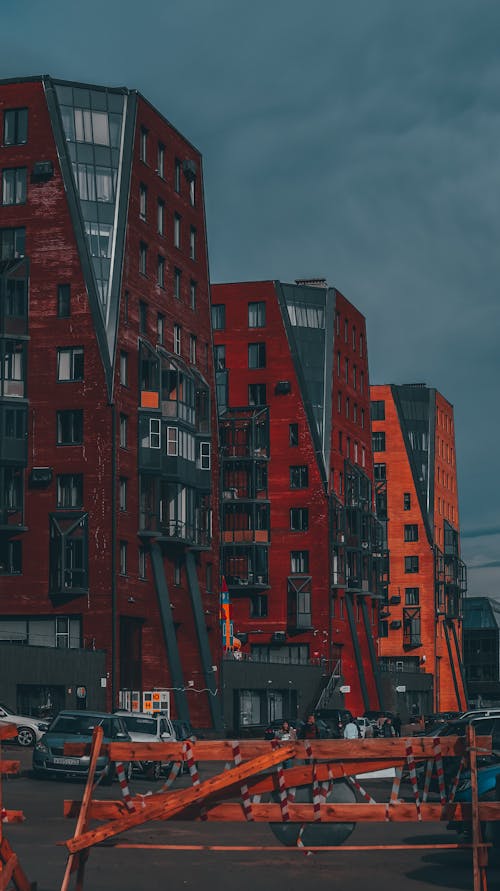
(36, 842)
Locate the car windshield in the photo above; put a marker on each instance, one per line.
(140, 725)
(80, 725)
(6, 709)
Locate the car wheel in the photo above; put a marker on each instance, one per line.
(26, 736)
(109, 775)
(154, 770)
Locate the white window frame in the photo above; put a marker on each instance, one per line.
(172, 444)
(177, 339)
(205, 456)
(155, 433)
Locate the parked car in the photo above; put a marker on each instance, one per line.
(484, 725)
(49, 758)
(143, 727)
(488, 780)
(29, 730)
(365, 727)
(336, 719)
(183, 730)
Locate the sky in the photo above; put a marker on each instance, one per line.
(354, 141)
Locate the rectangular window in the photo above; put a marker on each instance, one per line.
(192, 191)
(160, 160)
(154, 433)
(192, 348)
(123, 493)
(12, 243)
(172, 442)
(177, 283)
(160, 217)
(346, 369)
(63, 301)
(219, 317)
(192, 294)
(161, 271)
(143, 258)
(362, 419)
(346, 330)
(354, 376)
(378, 441)
(256, 355)
(123, 558)
(258, 606)
(70, 364)
(406, 501)
(70, 490)
(143, 145)
(347, 406)
(412, 596)
(341, 442)
(257, 315)
(143, 319)
(123, 431)
(220, 357)
(192, 243)
(293, 434)
(124, 366)
(377, 410)
(361, 345)
(354, 337)
(160, 328)
(177, 175)
(10, 557)
(299, 477)
(15, 126)
(70, 427)
(299, 561)
(379, 471)
(411, 532)
(362, 382)
(257, 394)
(177, 230)
(177, 339)
(14, 186)
(143, 201)
(411, 563)
(299, 519)
(204, 456)
(142, 563)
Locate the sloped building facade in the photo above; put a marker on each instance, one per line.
(108, 508)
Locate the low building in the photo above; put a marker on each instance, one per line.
(482, 649)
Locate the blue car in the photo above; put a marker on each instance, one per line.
(50, 760)
(488, 789)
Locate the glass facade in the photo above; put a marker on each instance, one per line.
(93, 126)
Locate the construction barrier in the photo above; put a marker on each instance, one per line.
(11, 872)
(255, 768)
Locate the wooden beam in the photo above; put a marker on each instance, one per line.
(7, 767)
(166, 805)
(346, 750)
(83, 816)
(19, 878)
(14, 816)
(7, 872)
(449, 846)
(479, 852)
(303, 813)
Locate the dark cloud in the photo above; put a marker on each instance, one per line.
(355, 140)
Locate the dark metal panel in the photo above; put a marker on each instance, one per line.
(167, 622)
(214, 697)
(411, 394)
(452, 666)
(371, 650)
(357, 651)
(460, 661)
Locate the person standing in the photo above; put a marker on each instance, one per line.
(351, 730)
(309, 730)
(388, 729)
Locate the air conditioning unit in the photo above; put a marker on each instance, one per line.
(242, 636)
(279, 637)
(282, 388)
(41, 476)
(395, 599)
(395, 625)
(42, 170)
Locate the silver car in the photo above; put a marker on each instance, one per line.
(29, 730)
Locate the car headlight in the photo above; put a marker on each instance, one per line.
(41, 747)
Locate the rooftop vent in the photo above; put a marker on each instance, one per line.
(312, 282)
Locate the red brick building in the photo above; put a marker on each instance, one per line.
(108, 506)
(301, 548)
(416, 480)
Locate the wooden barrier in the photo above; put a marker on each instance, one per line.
(10, 868)
(256, 774)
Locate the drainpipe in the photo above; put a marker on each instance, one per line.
(113, 559)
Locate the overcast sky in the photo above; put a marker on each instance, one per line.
(358, 141)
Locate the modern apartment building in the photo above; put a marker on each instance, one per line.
(416, 484)
(108, 475)
(301, 547)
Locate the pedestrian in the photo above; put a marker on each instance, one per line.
(309, 730)
(351, 730)
(397, 725)
(388, 729)
(286, 732)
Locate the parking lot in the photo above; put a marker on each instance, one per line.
(36, 843)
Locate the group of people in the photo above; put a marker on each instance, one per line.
(384, 727)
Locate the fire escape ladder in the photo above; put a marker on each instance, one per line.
(167, 623)
(204, 647)
(329, 688)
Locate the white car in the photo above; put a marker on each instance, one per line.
(143, 727)
(30, 730)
